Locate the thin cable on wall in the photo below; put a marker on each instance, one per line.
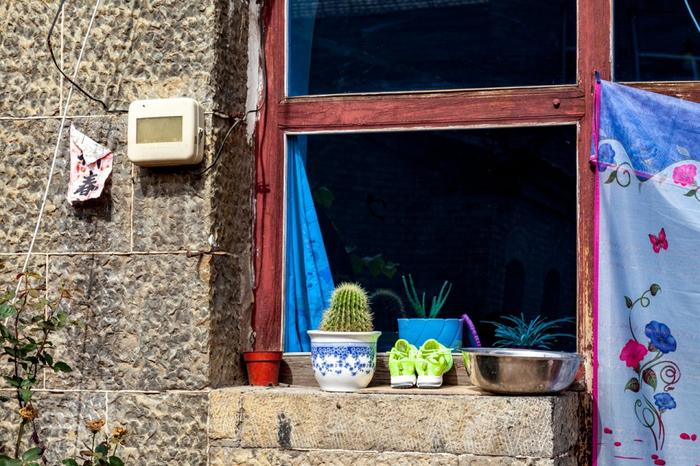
(60, 70)
(57, 147)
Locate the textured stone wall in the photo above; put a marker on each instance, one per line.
(160, 265)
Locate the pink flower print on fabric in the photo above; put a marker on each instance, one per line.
(633, 353)
(685, 174)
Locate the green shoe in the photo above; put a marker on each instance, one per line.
(402, 364)
(432, 361)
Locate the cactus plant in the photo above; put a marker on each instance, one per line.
(349, 310)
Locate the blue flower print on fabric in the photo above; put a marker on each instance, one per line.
(664, 401)
(660, 336)
(339, 359)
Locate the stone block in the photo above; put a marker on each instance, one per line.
(141, 50)
(231, 317)
(176, 208)
(61, 422)
(226, 456)
(220, 455)
(305, 418)
(144, 321)
(99, 225)
(173, 205)
(164, 428)
(10, 266)
(471, 460)
(31, 86)
(233, 190)
(225, 414)
(230, 72)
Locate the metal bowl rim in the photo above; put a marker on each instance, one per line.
(527, 354)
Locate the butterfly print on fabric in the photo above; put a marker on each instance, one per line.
(659, 242)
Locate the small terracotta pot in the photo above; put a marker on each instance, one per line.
(263, 367)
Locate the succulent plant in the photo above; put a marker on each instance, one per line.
(349, 310)
(532, 334)
(418, 305)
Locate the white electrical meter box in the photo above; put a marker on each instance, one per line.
(166, 132)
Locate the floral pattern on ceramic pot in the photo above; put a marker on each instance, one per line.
(338, 359)
(655, 375)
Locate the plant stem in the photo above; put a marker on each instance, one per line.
(19, 438)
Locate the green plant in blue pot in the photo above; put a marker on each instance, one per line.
(426, 324)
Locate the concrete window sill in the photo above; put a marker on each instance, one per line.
(294, 425)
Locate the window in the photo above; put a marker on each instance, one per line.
(656, 41)
(456, 205)
(346, 46)
(388, 81)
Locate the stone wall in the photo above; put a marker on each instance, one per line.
(160, 266)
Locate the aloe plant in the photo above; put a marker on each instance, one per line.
(537, 333)
(418, 305)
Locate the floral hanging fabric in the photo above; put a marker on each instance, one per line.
(646, 148)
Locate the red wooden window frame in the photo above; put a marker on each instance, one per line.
(465, 108)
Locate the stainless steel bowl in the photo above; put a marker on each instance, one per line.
(520, 371)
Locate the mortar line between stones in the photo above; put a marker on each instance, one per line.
(100, 115)
(208, 431)
(107, 409)
(192, 253)
(131, 213)
(239, 422)
(408, 452)
(119, 391)
(46, 297)
(60, 76)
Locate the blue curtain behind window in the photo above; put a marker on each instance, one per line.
(309, 283)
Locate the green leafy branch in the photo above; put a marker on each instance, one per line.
(98, 454)
(28, 321)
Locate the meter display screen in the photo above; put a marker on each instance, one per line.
(159, 129)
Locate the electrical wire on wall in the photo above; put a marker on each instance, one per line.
(237, 119)
(58, 142)
(65, 76)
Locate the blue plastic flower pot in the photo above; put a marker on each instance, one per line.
(447, 331)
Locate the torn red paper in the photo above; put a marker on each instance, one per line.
(90, 167)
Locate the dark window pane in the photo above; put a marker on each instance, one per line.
(656, 41)
(491, 210)
(340, 46)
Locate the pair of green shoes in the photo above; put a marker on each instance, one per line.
(430, 362)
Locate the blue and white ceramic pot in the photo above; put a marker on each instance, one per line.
(343, 361)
